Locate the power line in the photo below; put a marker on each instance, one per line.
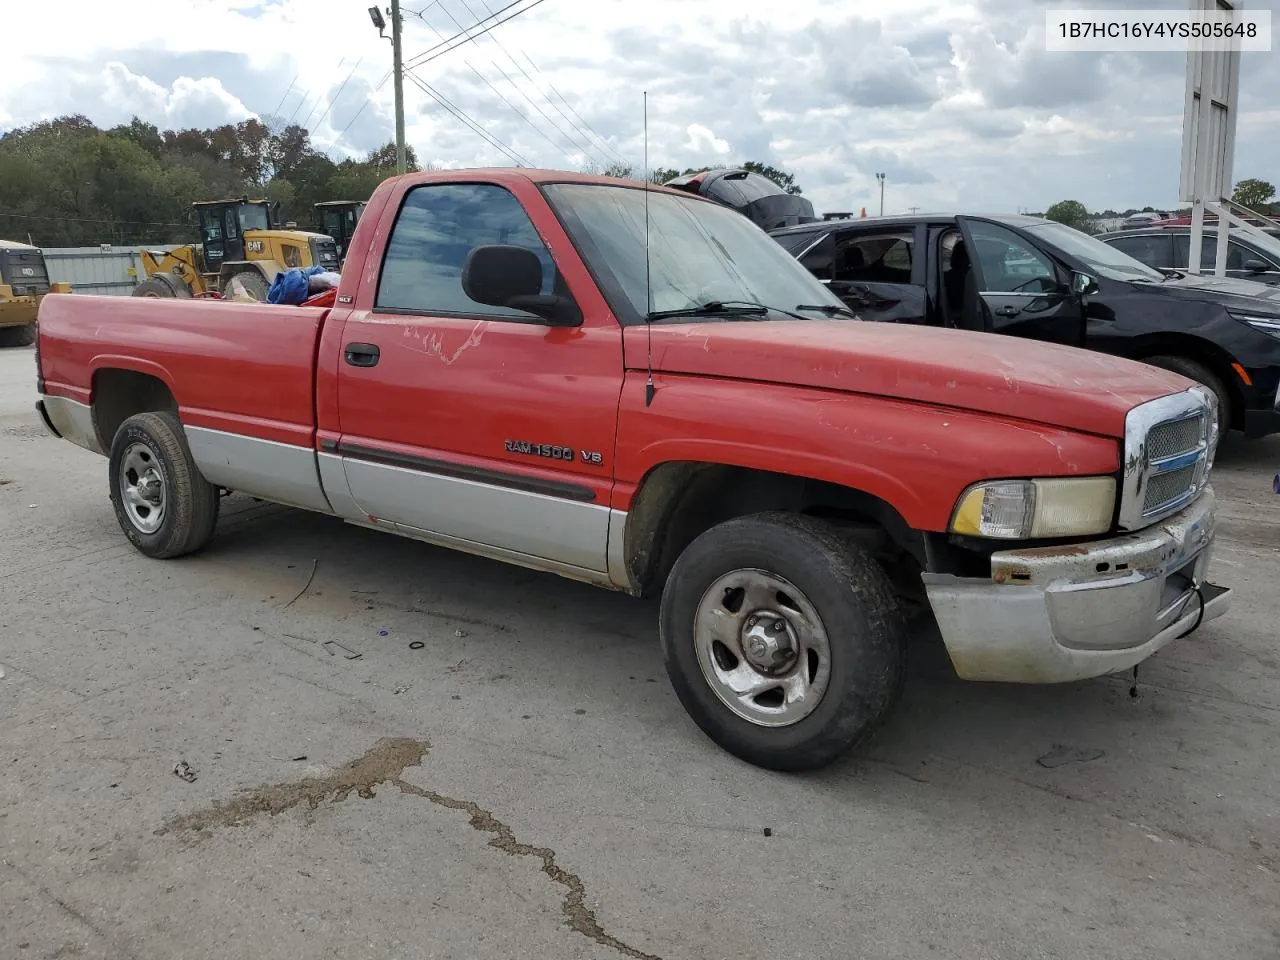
(501, 95)
(553, 89)
(461, 115)
(143, 223)
(532, 83)
(286, 94)
(307, 122)
(429, 55)
(342, 87)
(576, 144)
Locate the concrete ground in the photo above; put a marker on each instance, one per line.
(526, 785)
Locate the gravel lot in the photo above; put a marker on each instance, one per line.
(526, 785)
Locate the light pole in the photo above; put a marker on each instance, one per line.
(397, 69)
(880, 177)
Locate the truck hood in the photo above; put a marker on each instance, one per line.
(987, 373)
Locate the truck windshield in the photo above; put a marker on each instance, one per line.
(699, 252)
(1100, 257)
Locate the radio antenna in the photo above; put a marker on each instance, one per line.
(649, 388)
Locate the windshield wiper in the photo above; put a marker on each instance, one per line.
(713, 309)
(830, 309)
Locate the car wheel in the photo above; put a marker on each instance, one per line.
(1203, 376)
(163, 503)
(783, 641)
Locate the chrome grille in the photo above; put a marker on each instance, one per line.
(1166, 488)
(1174, 438)
(1168, 457)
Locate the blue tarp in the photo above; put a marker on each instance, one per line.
(290, 286)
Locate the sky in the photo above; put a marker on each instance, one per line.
(956, 101)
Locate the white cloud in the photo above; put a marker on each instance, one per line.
(702, 140)
(188, 102)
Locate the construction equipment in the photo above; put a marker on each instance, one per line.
(24, 282)
(240, 245)
(338, 219)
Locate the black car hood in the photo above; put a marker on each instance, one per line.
(1243, 295)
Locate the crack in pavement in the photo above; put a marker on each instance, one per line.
(385, 763)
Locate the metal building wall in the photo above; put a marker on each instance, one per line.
(113, 271)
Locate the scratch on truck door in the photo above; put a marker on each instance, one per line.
(433, 342)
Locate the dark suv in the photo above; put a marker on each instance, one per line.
(1169, 248)
(1028, 277)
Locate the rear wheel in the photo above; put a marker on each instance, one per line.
(23, 336)
(782, 640)
(251, 281)
(1203, 376)
(161, 286)
(163, 503)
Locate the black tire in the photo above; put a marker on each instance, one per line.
(190, 503)
(1203, 376)
(864, 627)
(253, 282)
(23, 336)
(161, 286)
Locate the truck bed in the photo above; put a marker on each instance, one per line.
(248, 369)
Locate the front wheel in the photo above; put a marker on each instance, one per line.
(1203, 376)
(782, 640)
(250, 281)
(163, 503)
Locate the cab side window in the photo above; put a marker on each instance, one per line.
(438, 226)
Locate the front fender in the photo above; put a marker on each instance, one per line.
(915, 457)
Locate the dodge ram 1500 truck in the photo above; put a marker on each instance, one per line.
(637, 388)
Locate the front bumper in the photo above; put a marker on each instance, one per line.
(1056, 614)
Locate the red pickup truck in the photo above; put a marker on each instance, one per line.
(638, 388)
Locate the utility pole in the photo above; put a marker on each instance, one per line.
(398, 66)
(397, 69)
(880, 177)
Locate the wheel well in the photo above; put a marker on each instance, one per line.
(119, 394)
(1203, 352)
(679, 501)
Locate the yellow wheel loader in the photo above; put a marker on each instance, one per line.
(24, 282)
(239, 244)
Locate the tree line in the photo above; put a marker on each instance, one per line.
(1253, 193)
(66, 183)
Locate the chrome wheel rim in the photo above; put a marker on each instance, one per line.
(762, 647)
(143, 490)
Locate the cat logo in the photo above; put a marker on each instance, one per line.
(28, 272)
(254, 246)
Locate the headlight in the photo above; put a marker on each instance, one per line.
(1268, 325)
(1036, 509)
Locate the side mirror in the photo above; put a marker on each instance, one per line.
(502, 275)
(1082, 284)
(1257, 266)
